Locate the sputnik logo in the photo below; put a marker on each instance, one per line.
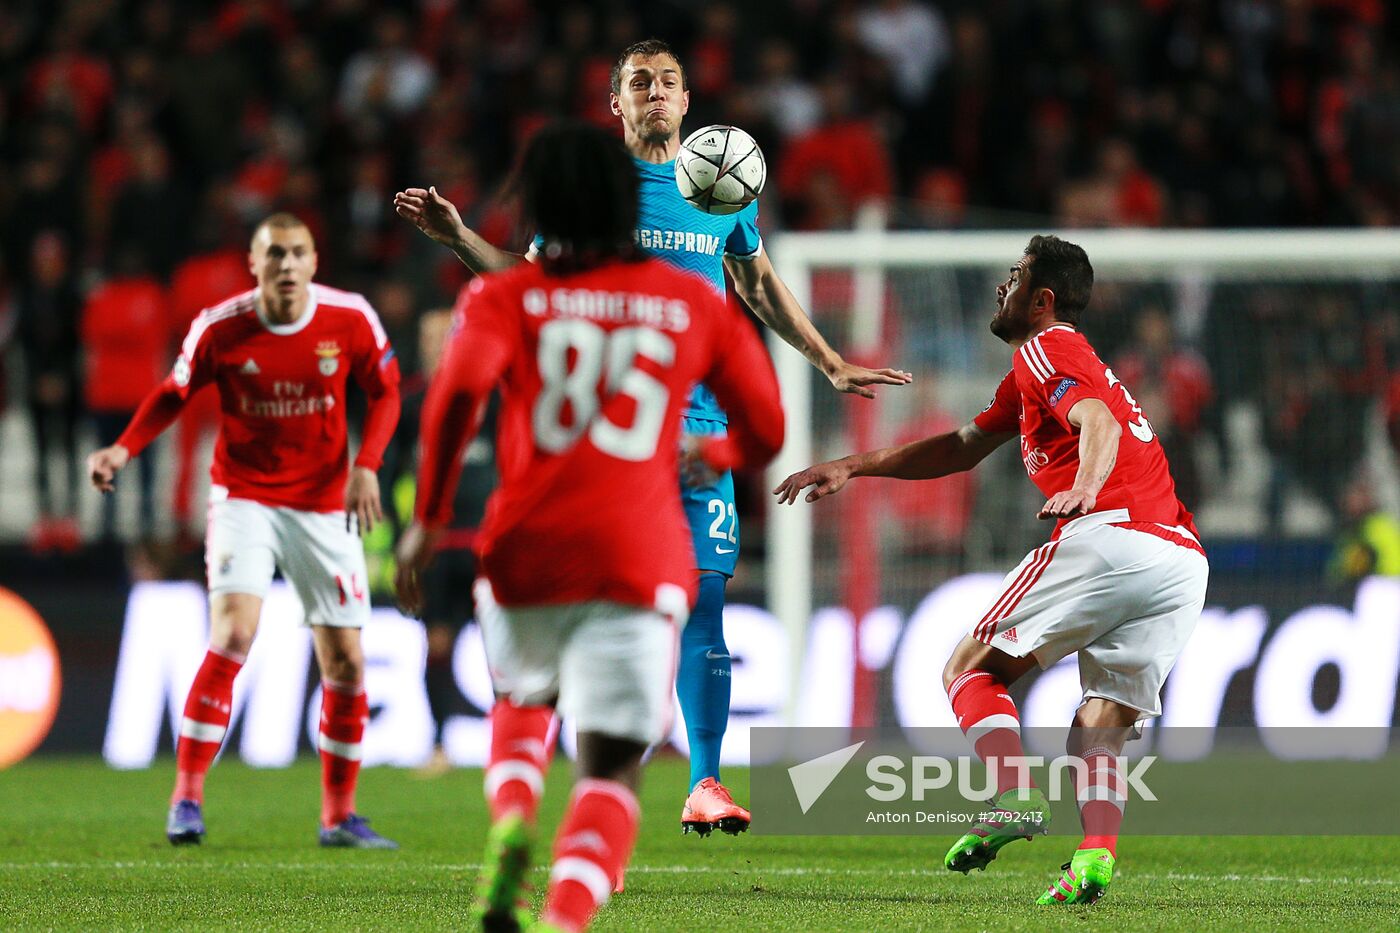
(811, 778)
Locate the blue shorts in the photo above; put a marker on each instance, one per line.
(714, 522)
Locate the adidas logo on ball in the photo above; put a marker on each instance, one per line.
(720, 169)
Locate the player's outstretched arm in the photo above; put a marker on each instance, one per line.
(437, 218)
(953, 452)
(760, 287)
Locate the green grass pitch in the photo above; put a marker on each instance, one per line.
(82, 847)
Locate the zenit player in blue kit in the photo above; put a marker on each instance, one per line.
(649, 95)
(705, 244)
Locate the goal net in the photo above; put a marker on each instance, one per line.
(1265, 360)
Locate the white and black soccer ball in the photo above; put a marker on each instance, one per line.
(720, 169)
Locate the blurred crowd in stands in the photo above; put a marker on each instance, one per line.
(141, 139)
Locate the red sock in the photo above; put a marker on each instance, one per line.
(519, 756)
(593, 847)
(204, 724)
(989, 719)
(344, 712)
(1101, 799)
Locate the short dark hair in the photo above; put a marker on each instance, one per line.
(647, 48)
(579, 188)
(1064, 268)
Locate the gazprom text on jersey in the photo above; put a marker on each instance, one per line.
(687, 241)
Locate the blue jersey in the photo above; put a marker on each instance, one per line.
(688, 238)
(673, 231)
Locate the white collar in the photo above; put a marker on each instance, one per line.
(295, 326)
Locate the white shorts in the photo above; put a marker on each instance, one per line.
(322, 560)
(612, 667)
(1126, 600)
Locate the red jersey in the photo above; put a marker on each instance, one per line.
(283, 440)
(1049, 374)
(595, 369)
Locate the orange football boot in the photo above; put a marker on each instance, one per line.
(710, 807)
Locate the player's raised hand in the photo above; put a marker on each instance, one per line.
(857, 380)
(1068, 504)
(362, 499)
(103, 466)
(826, 478)
(413, 555)
(431, 213)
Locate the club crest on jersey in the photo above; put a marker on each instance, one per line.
(329, 352)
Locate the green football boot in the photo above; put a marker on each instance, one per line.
(1083, 879)
(1019, 813)
(501, 894)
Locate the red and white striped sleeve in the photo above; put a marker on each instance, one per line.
(1057, 368)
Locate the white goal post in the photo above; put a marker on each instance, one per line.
(871, 255)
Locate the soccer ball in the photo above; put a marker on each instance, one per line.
(720, 169)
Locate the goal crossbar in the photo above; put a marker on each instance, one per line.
(1286, 253)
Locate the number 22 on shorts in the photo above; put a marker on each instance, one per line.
(721, 510)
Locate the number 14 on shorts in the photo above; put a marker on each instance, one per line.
(356, 588)
(722, 510)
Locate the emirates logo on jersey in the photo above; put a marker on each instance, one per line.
(285, 407)
(1035, 459)
(329, 352)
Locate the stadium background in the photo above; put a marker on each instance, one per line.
(141, 140)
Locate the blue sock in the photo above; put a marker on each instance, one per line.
(702, 680)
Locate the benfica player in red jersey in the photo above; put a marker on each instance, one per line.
(1121, 581)
(587, 558)
(280, 355)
